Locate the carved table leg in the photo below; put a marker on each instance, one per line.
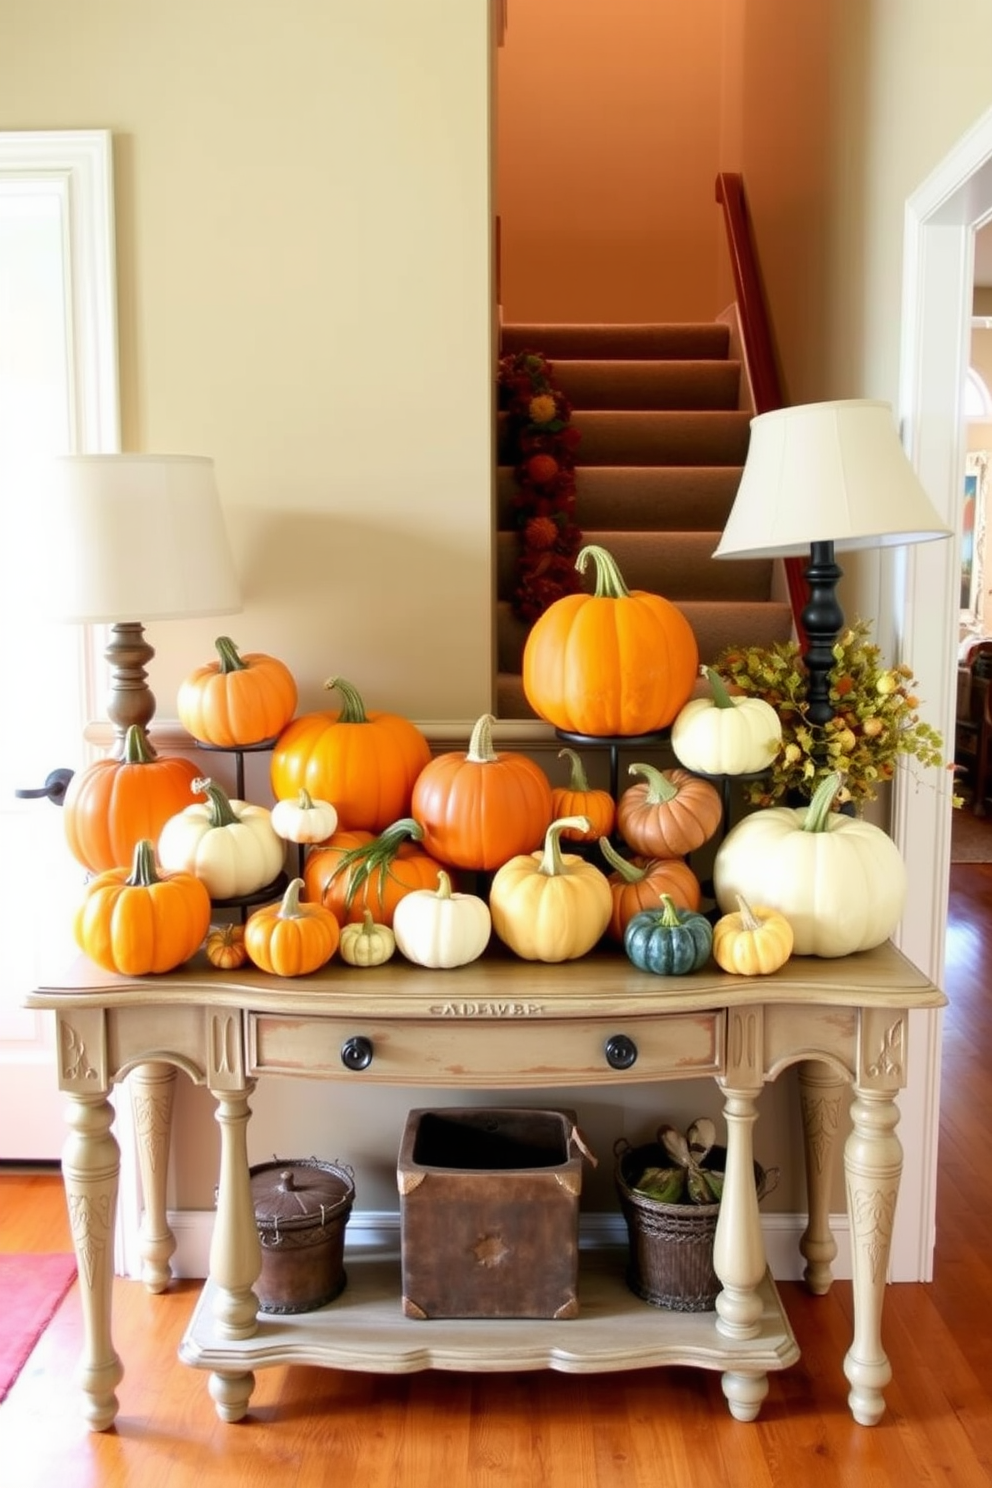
(873, 1166)
(90, 1170)
(152, 1090)
(820, 1093)
(235, 1253)
(739, 1253)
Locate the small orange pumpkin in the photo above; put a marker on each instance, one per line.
(669, 813)
(225, 946)
(364, 761)
(237, 700)
(638, 883)
(289, 938)
(113, 804)
(480, 809)
(355, 872)
(578, 798)
(612, 663)
(139, 922)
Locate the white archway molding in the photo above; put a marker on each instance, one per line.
(938, 273)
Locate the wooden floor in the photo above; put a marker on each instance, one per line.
(310, 1427)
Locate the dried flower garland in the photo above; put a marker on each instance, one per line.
(875, 718)
(540, 442)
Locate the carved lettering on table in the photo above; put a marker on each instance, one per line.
(892, 1053)
(874, 1212)
(487, 1010)
(820, 1119)
(90, 1220)
(152, 1117)
(75, 1061)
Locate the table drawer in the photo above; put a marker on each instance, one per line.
(489, 1051)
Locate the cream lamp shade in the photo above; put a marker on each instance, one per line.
(827, 472)
(822, 478)
(129, 538)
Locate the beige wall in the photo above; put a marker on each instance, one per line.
(303, 228)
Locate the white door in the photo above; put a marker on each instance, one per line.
(58, 393)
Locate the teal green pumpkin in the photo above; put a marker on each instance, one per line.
(668, 941)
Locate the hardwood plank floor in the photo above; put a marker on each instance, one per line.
(309, 1427)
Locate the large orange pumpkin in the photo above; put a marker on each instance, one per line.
(140, 922)
(237, 700)
(364, 762)
(114, 804)
(481, 808)
(638, 883)
(356, 871)
(610, 664)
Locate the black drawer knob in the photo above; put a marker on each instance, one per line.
(356, 1052)
(621, 1051)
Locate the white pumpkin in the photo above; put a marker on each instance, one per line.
(438, 928)
(229, 845)
(839, 881)
(304, 819)
(725, 735)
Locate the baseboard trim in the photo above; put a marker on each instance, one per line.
(380, 1229)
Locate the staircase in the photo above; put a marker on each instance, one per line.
(657, 468)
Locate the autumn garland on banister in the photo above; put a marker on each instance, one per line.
(540, 443)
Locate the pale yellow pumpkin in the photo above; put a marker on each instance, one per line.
(550, 905)
(752, 942)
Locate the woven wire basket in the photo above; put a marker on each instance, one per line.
(670, 1246)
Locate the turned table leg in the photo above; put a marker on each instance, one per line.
(739, 1253)
(152, 1091)
(820, 1092)
(90, 1171)
(235, 1253)
(872, 1166)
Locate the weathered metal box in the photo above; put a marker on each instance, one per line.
(489, 1214)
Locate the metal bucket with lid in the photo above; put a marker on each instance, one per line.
(301, 1209)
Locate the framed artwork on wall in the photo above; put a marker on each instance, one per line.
(973, 542)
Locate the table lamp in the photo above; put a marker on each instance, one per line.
(131, 535)
(821, 478)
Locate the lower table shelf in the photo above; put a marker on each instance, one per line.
(364, 1329)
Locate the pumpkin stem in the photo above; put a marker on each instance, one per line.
(137, 747)
(353, 709)
(669, 913)
(289, 909)
(221, 812)
(375, 857)
(749, 920)
(627, 870)
(305, 801)
(721, 697)
(578, 780)
(660, 788)
(143, 873)
(817, 817)
(480, 746)
(552, 863)
(443, 890)
(230, 661)
(609, 580)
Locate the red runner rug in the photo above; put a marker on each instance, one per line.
(31, 1288)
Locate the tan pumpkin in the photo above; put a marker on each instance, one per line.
(669, 813)
(752, 942)
(550, 906)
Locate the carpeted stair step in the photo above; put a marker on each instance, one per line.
(715, 625)
(678, 565)
(641, 497)
(688, 339)
(656, 437)
(649, 384)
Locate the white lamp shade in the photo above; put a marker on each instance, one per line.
(824, 472)
(135, 538)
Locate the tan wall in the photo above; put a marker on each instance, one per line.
(303, 229)
(608, 143)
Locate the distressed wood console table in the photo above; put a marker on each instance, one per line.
(498, 1024)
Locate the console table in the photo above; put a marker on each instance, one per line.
(496, 1024)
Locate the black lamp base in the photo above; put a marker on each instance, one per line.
(823, 621)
